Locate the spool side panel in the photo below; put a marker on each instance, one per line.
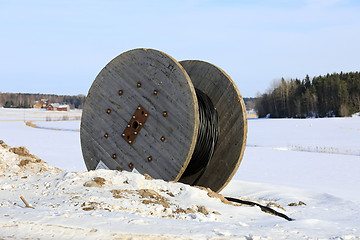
(155, 71)
(232, 121)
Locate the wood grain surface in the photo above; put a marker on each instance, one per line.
(157, 82)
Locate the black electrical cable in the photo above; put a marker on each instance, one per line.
(207, 139)
(208, 135)
(263, 208)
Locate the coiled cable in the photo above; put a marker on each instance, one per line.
(207, 139)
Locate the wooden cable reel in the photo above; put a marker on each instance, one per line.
(142, 112)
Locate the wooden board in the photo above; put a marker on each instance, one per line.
(164, 145)
(230, 106)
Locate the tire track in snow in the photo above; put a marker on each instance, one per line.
(31, 124)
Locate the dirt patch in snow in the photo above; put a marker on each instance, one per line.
(21, 151)
(3, 144)
(153, 197)
(213, 194)
(18, 160)
(95, 182)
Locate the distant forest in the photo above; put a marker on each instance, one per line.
(27, 100)
(323, 96)
(249, 103)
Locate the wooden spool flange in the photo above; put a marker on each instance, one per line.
(142, 112)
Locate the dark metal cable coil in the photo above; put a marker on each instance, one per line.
(207, 137)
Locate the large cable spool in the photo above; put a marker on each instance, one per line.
(144, 111)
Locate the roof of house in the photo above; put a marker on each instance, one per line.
(55, 105)
(63, 106)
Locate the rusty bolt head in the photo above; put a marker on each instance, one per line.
(131, 165)
(108, 111)
(114, 156)
(121, 92)
(139, 85)
(165, 114)
(106, 135)
(162, 139)
(149, 158)
(155, 92)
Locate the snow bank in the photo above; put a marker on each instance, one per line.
(52, 192)
(105, 204)
(356, 114)
(101, 189)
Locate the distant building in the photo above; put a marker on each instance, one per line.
(57, 107)
(63, 108)
(37, 105)
(40, 104)
(52, 106)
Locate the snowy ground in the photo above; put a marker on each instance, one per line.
(315, 161)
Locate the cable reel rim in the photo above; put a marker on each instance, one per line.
(212, 80)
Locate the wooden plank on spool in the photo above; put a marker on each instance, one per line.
(230, 106)
(166, 141)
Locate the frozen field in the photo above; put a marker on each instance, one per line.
(315, 161)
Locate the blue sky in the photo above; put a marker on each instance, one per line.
(60, 46)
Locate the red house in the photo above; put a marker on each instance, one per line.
(58, 107)
(52, 106)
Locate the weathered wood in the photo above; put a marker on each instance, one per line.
(163, 146)
(165, 86)
(229, 103)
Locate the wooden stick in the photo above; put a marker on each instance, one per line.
(25, 202)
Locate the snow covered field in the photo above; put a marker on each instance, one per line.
(315, 161)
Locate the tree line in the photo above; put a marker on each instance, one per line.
(249, 103)
(336, 94)
(27, 100)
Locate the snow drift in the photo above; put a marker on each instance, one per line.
(105, 204)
